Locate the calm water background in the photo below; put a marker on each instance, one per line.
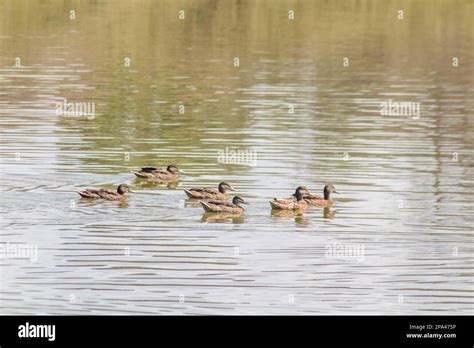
(407, 198)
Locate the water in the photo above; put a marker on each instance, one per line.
(406, 182)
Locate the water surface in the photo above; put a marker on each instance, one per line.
(406, 182)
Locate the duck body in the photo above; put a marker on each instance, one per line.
(288, 204)
(171, 173)
(295, 203)
(223, 207)
(210, 194)
(319, 201)
(109, 195)
(206, 194)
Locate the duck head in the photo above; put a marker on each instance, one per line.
(328, 189)
(123, 189)
(172, 168)
(300, 192)
(237, 200)
(223, 187)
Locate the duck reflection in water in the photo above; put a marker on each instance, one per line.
(328, 213)
(222, 218)
(94, 203)
(155, 183)
(291, 214)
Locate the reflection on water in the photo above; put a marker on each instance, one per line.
(222, 218)
(167, 91)
(154, 184)
(98, 203)
(297, 216)
(328, 213)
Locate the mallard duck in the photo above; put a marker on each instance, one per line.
(318, 201)
(296, 202)
(222, 207)
(170, 174)
(109, 195)
(211, 194)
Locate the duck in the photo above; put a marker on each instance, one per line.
(171, 173)
(210, 194)
(319, 201)
(296, 202)
(222, 207)
(109, 195)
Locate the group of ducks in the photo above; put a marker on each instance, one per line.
(212, 200)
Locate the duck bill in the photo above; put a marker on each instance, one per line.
(232, 189)
(336, 192)
(244, 202)
(181, 171)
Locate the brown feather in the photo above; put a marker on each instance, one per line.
(206, 194)
(154, 173)
(221, 207)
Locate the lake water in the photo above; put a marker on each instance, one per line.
(238, 76)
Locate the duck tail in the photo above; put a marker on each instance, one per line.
(206, 206)
(274, 204)
(83, 194)
(139, 175)
(189, 193)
